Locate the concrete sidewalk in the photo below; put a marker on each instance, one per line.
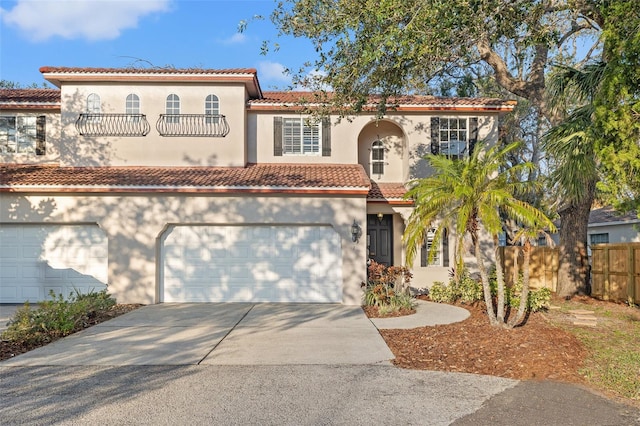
(427, 314)
(221, 334)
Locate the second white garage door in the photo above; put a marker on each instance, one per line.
(252, 264)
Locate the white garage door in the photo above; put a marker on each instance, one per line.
(37, 258)
(252, 264)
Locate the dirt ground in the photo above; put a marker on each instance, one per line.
(538, 350)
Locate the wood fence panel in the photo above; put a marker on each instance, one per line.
(615, 273)
(543, 266)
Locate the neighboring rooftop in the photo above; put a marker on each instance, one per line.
(29, 99)
(608, 215)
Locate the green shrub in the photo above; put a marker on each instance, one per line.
(537, 300)
(381, 288)
(56, 317)
(468, 290)
(441, 293)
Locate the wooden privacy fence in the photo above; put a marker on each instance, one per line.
(543, 266)
(615, 272)
(615, 269)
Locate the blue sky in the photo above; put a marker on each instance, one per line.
(121, 33)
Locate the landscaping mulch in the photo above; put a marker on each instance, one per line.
(538, 350)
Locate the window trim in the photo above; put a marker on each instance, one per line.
(94, 104)
(304, 124)
(172, 107)
(132, 104)
(377, 146)
(441, 259)
(471, 135)
(34, 132)
(212, 105)
(599, 235)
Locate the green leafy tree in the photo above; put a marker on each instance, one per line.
(596, 146)
(393, 47)
(470, 197)
(8, 84)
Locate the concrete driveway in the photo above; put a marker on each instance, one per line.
(221, 334)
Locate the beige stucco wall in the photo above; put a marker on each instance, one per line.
(134, 225)
(153, 149)
(425, 276)
(52, 140)
(260, 142)
(418, 148)
(406, 136)
(395, 151)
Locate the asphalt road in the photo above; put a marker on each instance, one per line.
(291, 395)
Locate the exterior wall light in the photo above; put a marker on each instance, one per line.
(356, 231)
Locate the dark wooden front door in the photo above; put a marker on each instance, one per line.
(380, 238)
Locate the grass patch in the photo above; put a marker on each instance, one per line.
(613, 360)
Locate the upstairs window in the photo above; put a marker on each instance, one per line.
(212, 107)
(453, 137)
(377, 158)
(132, 104)
(132, 107)
(93, 104)
(173, 108)
(300, 136)
(22, 134)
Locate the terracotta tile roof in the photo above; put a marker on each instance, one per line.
(247, 76)
(389, 192)
(607, 214)
(253, 178)
(293, 98)
(29, 98)
(131, 70)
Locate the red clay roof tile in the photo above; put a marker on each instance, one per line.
(29, 98)
(293, 98)
(131, 70)
(254, 177)
(393, 191)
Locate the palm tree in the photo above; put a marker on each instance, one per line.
(573, 146)
(470, 197)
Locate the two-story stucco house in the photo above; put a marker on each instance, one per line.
(174, 185)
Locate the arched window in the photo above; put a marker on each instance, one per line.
(132, 105)
(212, 107)
(377, 158)
(173, 108)
(93, 104)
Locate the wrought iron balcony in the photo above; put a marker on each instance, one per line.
(113, 125)
(192, 125)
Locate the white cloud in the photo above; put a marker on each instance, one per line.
(313, 78)
(71, 19)
(237, 38)
(273, 71)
